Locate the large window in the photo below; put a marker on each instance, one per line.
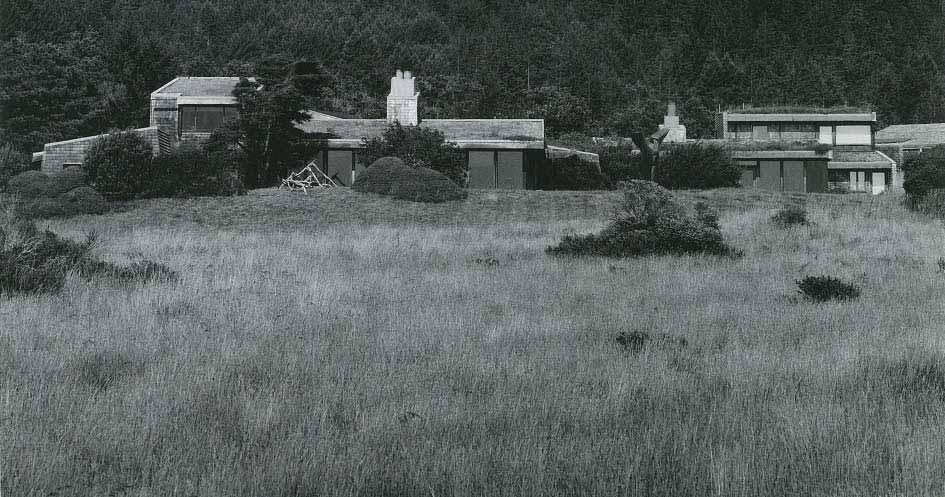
(205, 118)
(854, 135)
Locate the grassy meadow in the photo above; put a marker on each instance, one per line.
(343, 344)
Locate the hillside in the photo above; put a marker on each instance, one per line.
(79, 67)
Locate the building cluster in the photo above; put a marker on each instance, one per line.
(818, 151)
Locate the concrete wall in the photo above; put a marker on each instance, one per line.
(57, 155)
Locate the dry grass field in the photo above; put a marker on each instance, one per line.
(343, 344)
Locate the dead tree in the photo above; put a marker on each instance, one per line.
(649, 148)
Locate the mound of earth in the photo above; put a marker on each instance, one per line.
(390, 176)
(44, 195)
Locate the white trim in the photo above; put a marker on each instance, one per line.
(217, 100)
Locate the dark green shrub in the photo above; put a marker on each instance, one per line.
(34, 261)
(791, 215)
(650, 223)
(417, 146)
(12, 163)
(697, 166)
(390, 176)
(193, 171)
(118, 164)
(824, 288)
(932, 203)
(56, 195)
(619, 163)
(573, 173)
(924, 173)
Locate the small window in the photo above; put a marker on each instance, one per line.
(67, 165)
(759, 133)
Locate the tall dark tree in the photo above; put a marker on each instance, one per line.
(270, 108)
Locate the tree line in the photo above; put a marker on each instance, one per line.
(77, 67)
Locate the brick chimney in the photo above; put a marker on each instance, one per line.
(402, 101)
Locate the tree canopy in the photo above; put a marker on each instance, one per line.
(611, 64)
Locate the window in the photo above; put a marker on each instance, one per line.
(739, 131)
(205, 118)
(854, 135)
(759, 132)
(798, 132)
(826, 135)
(67, 165)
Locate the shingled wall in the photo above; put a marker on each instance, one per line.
(57, 155)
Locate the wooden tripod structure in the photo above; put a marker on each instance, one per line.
(309, 176)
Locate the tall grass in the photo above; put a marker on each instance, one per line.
(343, 357)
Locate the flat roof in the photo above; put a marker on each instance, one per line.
(853, 159)
(915, 135)
(783, 117)
(190, 86)
(467, 133)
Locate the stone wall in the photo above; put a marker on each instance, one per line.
(59, 154)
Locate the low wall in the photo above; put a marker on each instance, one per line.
(59, 154)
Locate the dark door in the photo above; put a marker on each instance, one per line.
(794, 176)
(481, 169)
(770, 175)
(509, 172)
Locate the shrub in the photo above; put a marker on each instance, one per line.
(193, 171)
(619, 163)
(390, 176)
(650, 223)
(573, 173)
(824, 288)
(118, 164)
(418, 147)
(12, 163)
(34, 261)
(924, 173)
(63, 194)
(791, 215)
(932, 203)
(696, 166)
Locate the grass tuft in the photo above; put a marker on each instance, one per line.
(826, 288)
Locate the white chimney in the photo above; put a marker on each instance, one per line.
(677, 132)
(402, 100)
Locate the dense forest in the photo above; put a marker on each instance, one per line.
(76, 67)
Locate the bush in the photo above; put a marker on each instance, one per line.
(932, 203)
(650, 223)
(573, 173)
(696, 166)
(33, 184)
(34, 261)
(390, 176)
(418, 147)
(12, 163)
(924, 173)
(118, 164)
(57, 195)
(193, 171)
(619, 163)
(824, 288)
(791, 215)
